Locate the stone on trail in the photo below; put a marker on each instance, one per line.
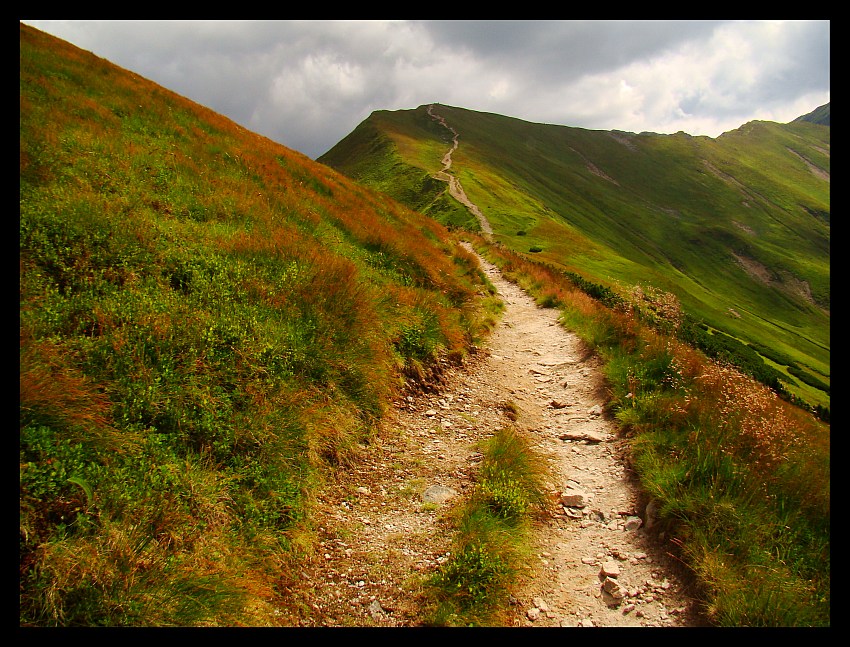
(614, 589)
(610, 569)
(438, 494)
(376, 611)
(573, 497)
(632, 523)
(589, 436)
(540, 603)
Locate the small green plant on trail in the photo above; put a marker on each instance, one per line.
(471, 587)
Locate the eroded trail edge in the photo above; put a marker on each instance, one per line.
(384, 526)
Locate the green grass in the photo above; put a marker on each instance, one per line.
(671, 211)
(210, 325)
(492, 533)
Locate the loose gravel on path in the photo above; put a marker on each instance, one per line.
(595, 565)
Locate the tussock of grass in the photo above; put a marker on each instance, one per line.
(491, 535)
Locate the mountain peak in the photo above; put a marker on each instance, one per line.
(819, 115)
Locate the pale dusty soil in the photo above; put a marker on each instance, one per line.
(379, 540)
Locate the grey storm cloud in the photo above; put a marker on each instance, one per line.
(307, 84)
(565, 50)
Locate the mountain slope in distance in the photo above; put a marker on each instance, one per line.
(819, 115)
(737, 227)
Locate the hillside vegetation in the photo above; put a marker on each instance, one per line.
(698, 269)
(210, 323)
(213, 326)
(736, 227)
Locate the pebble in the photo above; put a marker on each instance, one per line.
(540, 603)
(610, 569)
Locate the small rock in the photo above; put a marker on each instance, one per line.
(587, 436)
(573, 498)
(533, 613)
(651, 513)
(376, 610)
(438, 494)
(610, 569)
(613, 588)
(585, 622)
(595, 410)
(632, 523)
(540, 603)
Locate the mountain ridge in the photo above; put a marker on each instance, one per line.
(709, 220)
(819, 115)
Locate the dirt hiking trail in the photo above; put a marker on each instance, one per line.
(380, 537)
(385, 526)
(455, 189)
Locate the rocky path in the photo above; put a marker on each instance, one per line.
(384, 525)
(598, 563)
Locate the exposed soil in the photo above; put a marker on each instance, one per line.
(455, 188)
(380, 539)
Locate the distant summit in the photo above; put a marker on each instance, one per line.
(817, 116)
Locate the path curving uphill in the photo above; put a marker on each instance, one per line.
(455, 188)
(385, 525)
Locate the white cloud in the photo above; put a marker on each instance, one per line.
(307, 84)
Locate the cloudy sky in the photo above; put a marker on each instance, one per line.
(307, 84)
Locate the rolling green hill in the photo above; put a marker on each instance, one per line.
(736, 227)
(210, 324)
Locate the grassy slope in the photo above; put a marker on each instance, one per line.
(672, 211)
(399, 157)
(209, 322)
